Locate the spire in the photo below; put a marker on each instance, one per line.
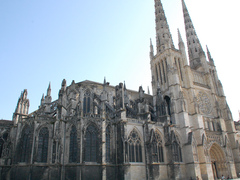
(42, 100)
(148, 90)
(49, 89)
(180, 40)
(194, 47)
(209, 55)
(164, 37)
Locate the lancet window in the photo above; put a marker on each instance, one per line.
(176, 149)
(157, 147)
(91, 144)
(108, 144)
(25, 145)
(160, 73)
(134, 149)
(73, 147)
(87, 102)
(42, 152)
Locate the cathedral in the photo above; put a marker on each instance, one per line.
(96, 131)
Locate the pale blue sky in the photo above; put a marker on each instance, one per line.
(46, 41)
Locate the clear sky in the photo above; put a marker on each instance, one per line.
(47, 41)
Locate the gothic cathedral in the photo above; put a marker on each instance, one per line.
(95, 131)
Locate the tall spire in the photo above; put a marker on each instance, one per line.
(163, 35)
(194, 47)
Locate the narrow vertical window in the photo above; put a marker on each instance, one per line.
(157, 149)
(73, 150)
(86, 102)
(164, 75)
(134, 147)
(25, 145)
(156, 73)
(108, 147)
(43, 145)
(91, 144)
(176, 149)
(160, 73)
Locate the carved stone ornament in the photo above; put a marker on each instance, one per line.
(204, 103)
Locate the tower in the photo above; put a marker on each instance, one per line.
(196, 107)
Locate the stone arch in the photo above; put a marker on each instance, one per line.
(218, 160)
(134, 148)
(92, 146)
(157, 146)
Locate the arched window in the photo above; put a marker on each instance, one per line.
(42, 152)
(157, 149)
(156, 72)
(25, 145)
(73, 147)
(168, 101)
(91, 144)
(86, 102)
(108, 147)
(134, 147)
(176, 149)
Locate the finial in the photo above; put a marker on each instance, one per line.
(42, 100)
(104, 81)
(64, 82)
(124, 86)
(49, 89)
(179, 36)
(148, 90)
(209, 55)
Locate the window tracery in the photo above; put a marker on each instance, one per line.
(87, 102)
(91, 144)
(134, 147)
(176, 149)
(25, 145)
(42, 152)
(157, 148)
(73, 149)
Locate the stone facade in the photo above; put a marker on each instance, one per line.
(97, 131)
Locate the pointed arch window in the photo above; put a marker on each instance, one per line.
(42, 152)
(176, 149)
(164, 73)
(160, 73)
(108, 144)
(134, 147)
(86, 102)
(156, 72)
(25, 145)
(91, 144)
(157, 147)
(73, 147)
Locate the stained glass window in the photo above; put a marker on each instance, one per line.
(157, 149)
(73, 149)
(91, 144)
(134, 147)
(25, 145)
(86, 102)
(42, 152)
